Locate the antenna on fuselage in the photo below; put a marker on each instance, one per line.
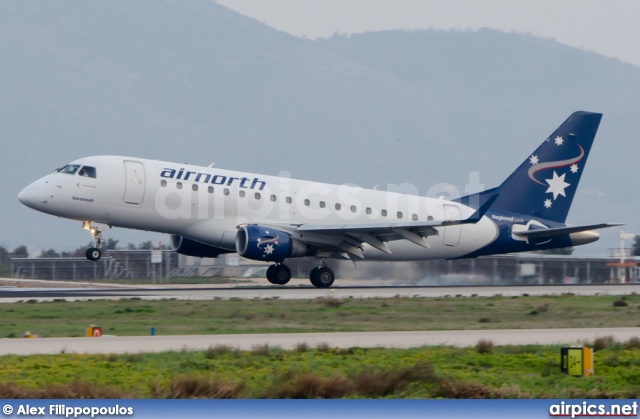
(211, 165)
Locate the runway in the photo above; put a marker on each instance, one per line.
(136, 344)
(8, 294)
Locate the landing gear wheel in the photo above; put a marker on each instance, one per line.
(270, 273)
(313, 275)
(93, 253)
(278, 274)
(322, 277)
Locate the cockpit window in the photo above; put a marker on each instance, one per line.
(88, 171)
(69, 169)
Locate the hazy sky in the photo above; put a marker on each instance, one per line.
(608, 27)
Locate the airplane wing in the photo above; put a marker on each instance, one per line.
(547, 233)
(345, 240)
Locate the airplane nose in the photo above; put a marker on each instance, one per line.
(27, 195)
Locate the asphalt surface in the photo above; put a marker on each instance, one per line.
(8, 294)
(135, 344)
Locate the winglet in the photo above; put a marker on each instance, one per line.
(480, 212)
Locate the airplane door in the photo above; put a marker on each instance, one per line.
(451, 236)
(134, 183)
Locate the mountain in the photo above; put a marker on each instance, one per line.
(194, 81)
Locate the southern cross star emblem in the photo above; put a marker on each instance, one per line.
(558, 140)
(268, 249)
(574, 168)
(557, 185)
(533, 159)
(547, 203)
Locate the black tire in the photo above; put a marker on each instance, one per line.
(93, 254)
(312, 276)
(270, 276)
(324, 278)
(280, 275)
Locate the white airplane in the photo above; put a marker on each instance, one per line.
(209, 211)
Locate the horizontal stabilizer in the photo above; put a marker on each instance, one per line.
(550, 232)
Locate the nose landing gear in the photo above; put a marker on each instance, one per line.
(93, 253)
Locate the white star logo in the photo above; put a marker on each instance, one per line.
(558, 140)
(557, 185)
(547, 203)
(574, 168)
(268, 249)
(533, 159)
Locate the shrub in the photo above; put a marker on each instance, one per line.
(190, 387)
(332, 302)
(302, 347)
(633, 343)
(484, 346)
(603, 343)
(620, 303)
(260, 349)
(219, 349)
(484, 320)
(323, 347)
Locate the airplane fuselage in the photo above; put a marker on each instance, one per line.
(207, 204)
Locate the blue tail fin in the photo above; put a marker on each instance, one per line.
(544, 185)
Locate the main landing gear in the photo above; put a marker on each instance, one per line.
(93, 253)
(278, 274)
(321, 277)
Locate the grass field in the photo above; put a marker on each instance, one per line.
(223, 372)
(171, 317)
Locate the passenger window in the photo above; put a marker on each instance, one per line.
(414, 217)
(257, 195)
(429, 218)
(399, 214)
(307, 202)
(353, 208)
(322, 204)
(273, 198)
(163, 183)
(338, 206)
(368, 211)
(288, 200)
(179, 185)
(383, 213)
(226, 191)
(194, 187)
(241, 194)
(88, 171)
(210, 189)
(69, 169)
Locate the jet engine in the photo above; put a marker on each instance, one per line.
(189, 247)
(268, 244)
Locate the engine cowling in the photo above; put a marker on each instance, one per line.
(268, 244)
(189, 247)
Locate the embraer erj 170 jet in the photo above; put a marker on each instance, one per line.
(209, 211)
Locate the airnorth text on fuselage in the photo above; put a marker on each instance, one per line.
(243, 182)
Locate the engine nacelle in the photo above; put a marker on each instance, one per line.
(189, 247)
(268, 244)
